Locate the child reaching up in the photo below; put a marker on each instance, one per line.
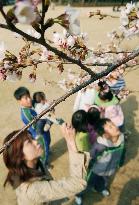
(107, 155)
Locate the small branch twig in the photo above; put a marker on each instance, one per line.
(113, 52)
(101, 16)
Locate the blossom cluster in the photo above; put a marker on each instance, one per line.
(73, 46)
(129, 19)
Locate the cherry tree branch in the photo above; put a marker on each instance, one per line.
(71, 92)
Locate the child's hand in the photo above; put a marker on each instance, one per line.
(69, 135)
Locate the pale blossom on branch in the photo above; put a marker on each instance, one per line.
(24, 12)
(70, 41)
(45, 54)
(74, 23)
(2, 50)
(124, 19)
(33, 33)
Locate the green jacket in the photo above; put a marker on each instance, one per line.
(102, 103)
(82, 142)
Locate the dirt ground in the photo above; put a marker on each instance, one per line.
(125, 186)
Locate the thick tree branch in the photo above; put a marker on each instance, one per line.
(42, 20)
(71, 92)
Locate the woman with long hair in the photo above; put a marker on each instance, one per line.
(27, 176)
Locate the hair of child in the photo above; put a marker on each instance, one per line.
(79, 121)
(38, 97)
(100, 126)
(20, 92)
(93, 115)
(105, 95)
(103, 85)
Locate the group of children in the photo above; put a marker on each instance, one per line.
(98, 121)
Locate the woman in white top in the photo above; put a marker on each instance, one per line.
(84, 99)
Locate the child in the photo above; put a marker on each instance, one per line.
(116, 81)
(79, 123)
(104, 98)
(22, 95)
(110, 108)
(93, 117)
(40, 104)
(102, 85)
(107, 155)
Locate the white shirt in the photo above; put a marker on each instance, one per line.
(39, 107)
(84, 99)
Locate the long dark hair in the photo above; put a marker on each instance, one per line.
(93, 116)
(79, 121)
(13, 158)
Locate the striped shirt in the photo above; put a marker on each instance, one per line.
(119, 85)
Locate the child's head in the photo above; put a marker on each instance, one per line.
(105, 96)
(103, 86)
(114, 74)
(79, 121)
(93, 115)
(22, 94)
(107, 129)
(39, 97)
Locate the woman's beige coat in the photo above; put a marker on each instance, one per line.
(39, 191)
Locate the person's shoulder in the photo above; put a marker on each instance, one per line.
(25, 109)
(98, 147)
